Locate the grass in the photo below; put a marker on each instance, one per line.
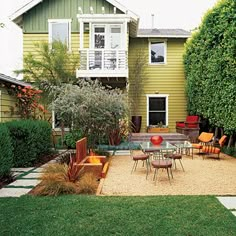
(91, 215)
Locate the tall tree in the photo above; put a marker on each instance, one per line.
(210, 66)
(50, 65)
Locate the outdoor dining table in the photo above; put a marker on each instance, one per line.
(186, 146)
(164, 147)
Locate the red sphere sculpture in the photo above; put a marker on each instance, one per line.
(156, 140)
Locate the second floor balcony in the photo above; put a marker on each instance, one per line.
(103, 63)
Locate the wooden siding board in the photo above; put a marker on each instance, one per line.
(167, 79)
(36, 19)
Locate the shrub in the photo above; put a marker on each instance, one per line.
(88, 183)
(71, 138)
(6, 152)
(31, 140)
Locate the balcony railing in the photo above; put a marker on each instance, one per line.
(103, 63)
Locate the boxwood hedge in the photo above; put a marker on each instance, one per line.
(6, 152)
(31, 139)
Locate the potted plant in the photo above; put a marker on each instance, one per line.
(137, 76)
(158, 128)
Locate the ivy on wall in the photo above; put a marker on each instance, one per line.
(210, 67)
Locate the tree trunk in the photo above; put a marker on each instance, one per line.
(216, 135)
(230, 141)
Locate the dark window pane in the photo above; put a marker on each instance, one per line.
(99, 41)
(157, 104)
(99, 30)
(157, 117)
(157, 52)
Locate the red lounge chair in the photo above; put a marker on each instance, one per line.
(191, 122)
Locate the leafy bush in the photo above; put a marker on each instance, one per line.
(71, 138)
(231, 151)
(6, 152)
(31, 139)
(91, 107)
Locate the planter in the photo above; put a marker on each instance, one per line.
(136, 123)
(157, 130)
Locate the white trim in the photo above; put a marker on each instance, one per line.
(162, 36)
(24, 9)
(51, 21)
(165, 52)
(103, 18)
(33, 3)
(166, 96)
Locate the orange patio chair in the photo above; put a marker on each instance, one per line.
(214, 150)
(204, 139)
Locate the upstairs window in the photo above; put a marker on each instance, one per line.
(60, 30)
(157, 52)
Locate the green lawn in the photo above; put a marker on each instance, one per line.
(91, 215)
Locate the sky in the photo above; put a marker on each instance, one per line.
(185, 14)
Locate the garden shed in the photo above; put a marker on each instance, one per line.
(8, 109)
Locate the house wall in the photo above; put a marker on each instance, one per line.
(166, 79)
(36, 19)
(8, 109)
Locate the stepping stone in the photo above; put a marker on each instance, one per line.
(32, 175)
(22, 169)
(234, 212)
(25, 182)
(228, 202)
(13, 192)
(38, 170)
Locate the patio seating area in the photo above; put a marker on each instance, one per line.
(201, 177)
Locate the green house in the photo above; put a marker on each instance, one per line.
(108, 39)
(8, 108)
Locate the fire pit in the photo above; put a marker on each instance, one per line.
(95, 164)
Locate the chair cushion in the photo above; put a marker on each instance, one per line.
(210, 149)
(161, 164)
(180, 125)
(192, 119)
(140, 157)
(173, 156)
(196, 145)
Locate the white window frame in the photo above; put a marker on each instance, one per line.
(107, 34)
(51, 21)
(53, 123)
(166, 96)
(165, 52)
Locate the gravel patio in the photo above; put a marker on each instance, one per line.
(201, 177)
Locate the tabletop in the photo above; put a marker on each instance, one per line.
(149, 146)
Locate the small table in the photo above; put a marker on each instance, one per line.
(187, 146)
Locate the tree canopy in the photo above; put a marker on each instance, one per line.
(210, 67)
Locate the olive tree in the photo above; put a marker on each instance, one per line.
(90, 107)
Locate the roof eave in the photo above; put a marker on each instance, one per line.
(162, 36)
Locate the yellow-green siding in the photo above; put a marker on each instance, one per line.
(8, 109)
(36, 19)
(166, 79)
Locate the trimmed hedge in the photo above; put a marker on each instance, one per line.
(211, 69)
(6, 151)
(31, 139)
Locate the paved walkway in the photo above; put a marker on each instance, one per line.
(229, 203)
(26, 179)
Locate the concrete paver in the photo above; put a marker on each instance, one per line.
(13, 192)
(25, 182)
(228, 202)
(32, 175)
